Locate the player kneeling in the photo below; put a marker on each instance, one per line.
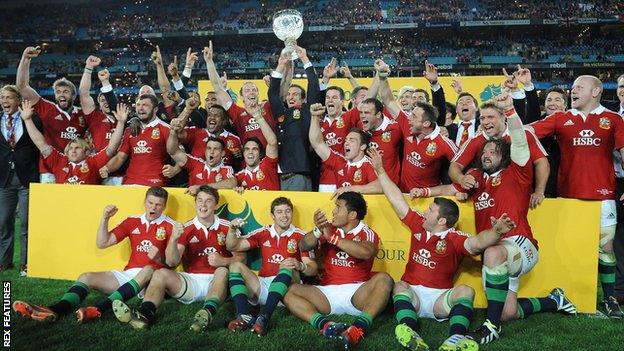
(201, 248)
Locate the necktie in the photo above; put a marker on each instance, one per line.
(10, 131)
(464, 136)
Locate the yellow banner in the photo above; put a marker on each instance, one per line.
(64, 221)
(481, 87)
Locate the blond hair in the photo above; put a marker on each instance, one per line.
(63, 82)
(12, 89)
(80, 142)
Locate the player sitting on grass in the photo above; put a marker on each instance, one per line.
(283, 261)
(148, 234)
(201, 248)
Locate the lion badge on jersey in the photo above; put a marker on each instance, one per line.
(260, 175)
(218, 177)
(230, 145)
(291, 246)
(431, 148)
(357, 176)
(84, 168)
(221, 239)
(385, 137)
(161, 233)
(496, 180)
(604, 123)
(441, 247)
(339, 123)
(155, 133)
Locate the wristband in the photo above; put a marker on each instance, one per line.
(510, 112)
(87, 69)
(335, 239)
(426, 192)
(317, 232)
(383, 74)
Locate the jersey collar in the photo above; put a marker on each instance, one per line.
(156, 221)
(213, 226)
(598, 110)
(287, 233)
(355, 230)
(356, 163)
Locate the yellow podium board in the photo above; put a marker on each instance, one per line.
(64, 220)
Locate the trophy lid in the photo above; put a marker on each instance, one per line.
(287, 24)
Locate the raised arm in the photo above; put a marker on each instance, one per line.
(520, 152)
(223, 97)
(232, 241)
(121, 114)
(26, 113)
(383, 70)
(346, 72)
(105, 238)
(23, 75)
(314, 90)
(315, 135)
(163, 82)
(178, 85)
(86, 101)
(391, 190)
(311, 239)
(275, 97)
(437, 92)
(191, 59)
(173, 144)
(269, 135)
(478, 243)
(107, 89)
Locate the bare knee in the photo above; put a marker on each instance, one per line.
(160, 276)
(463, 291)
(221, 272)
(236, 267)
(400, 287)
(494, 256)
(88, 278)
(383, 280)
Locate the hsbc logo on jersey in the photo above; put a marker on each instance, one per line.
(252, 125)
(142, 148)
(484, 201)
(70, 133)
(207, 251)
(422, 257)
(332, 139)
(586, 139)
(414, 158)
(342, 260)
(276, 258)
(74, 180)
(144, 246)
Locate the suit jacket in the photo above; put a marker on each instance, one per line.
(24, 158)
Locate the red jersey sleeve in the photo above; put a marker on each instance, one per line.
(458, 240)
(125, 143)
(268, 114)
(55, 159)
(547, 126)
(44, 109)
(468, 152)
(335, 161)
(618, 123)
(234, 112)
(254, 238)
(369, 172)
(191, 134)
(100, 159)
(352, 118)
(268, 164)
(121, 231)
(184, 238)
(413, 220)
(367, 234)
(535, 147)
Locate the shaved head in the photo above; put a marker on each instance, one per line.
(593, 80)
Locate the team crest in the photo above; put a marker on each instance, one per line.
(604, 123)
(440, 247)
(221, 239)
(296, 114)
(155, 133)
(161, 233)
(339, 123)
(81, 121)
(431, 148)
(385, 137)
(230, 145)
(84, 168)
(496, 180)
(291, 246)
(260, 175)
(218, 178)
(357, 176)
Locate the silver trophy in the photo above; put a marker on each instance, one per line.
(288, 26)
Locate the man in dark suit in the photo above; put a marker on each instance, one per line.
(468, 126)
(19, 166)
(293, 123)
